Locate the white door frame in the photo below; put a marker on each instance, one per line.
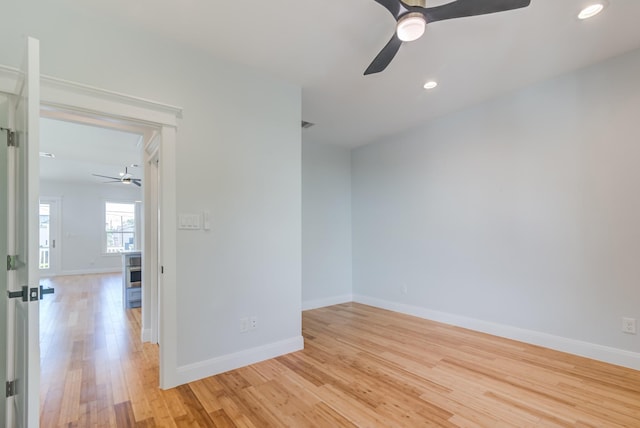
(58, 94)
(151, 267)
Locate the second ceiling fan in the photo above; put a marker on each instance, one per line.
(412, 16)
(125, 178)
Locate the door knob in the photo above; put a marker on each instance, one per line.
(23, 294)
(44, 291)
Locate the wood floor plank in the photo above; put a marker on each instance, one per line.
(208, 395)
(194, 407)
(361, 367)
(124, 415)
(236, 412)
(221, 420)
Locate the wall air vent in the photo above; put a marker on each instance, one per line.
(306, 125)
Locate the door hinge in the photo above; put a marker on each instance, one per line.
(12, 141)
(12, 262)
(12, 388)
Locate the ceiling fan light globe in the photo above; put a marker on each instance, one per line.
(411, 27)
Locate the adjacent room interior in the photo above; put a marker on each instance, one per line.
(87, 172)
(449, 241)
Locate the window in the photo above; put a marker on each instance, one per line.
(120, 227)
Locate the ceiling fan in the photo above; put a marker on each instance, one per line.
(124, 178)
(412, 16)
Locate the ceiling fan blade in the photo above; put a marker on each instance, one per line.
(385, 56)
(114, 181)
(106, 176)
(462, 8)
(392, 6)
(137, 182)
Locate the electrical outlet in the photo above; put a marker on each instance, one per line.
(253, 323)
(629, 325)
(405, 289)
(244, 325)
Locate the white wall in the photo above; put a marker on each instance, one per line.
(522, 212)
(82, 223)
(326, 225)
(238, 156)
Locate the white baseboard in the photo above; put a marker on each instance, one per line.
(328, 301)
(224, 363)
(89, 271)
(594, 351)
(145, 335)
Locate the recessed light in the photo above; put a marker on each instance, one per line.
(591, 11)
(431, 84)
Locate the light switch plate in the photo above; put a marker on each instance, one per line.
(189, 221)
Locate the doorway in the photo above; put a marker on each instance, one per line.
(160, 121)
(96, 168)
(99, 189)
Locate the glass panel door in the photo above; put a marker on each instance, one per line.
(45, 237)
(49, 244)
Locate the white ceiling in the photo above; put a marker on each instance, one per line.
(326, 45)
(81, 150)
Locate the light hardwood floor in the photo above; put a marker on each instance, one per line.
(361, 367)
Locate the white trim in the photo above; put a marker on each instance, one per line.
(62, 93)
(8, 78)
(594, 351)
(172, 112)
(150, 232)
(168, 293)
(152, 144)
(95, 271)
(224, 363)
(327, 301)
(94, 119)
(145, 336)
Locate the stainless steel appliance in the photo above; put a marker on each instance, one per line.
(132, 279)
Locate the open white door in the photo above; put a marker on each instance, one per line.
(3, 252)
(23, 347)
